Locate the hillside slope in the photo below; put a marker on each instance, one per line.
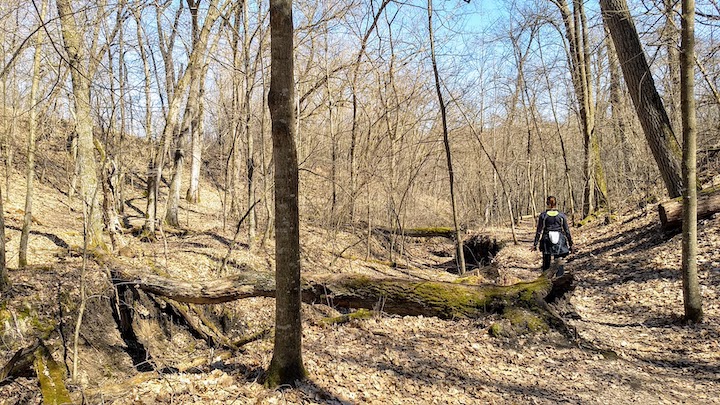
(629, 348)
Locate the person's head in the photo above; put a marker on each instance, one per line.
(551, 202)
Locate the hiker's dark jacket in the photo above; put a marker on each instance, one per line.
(553, 220)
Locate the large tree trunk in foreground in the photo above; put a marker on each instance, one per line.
(671, 212)
(394, 296)
(286, 365)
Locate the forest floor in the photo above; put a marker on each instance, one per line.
(630, 345)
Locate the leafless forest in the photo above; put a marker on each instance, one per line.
(178, 177)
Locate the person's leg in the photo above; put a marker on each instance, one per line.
(546, 261)
(560, 265)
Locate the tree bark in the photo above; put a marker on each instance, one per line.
(87, 165)
(4, 281)
(691, 287)
(648, 104)
(286, 365)
(394, 296)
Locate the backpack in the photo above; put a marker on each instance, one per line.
(555, 241)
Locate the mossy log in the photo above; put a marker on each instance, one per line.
(671, 211)
(36, 361)
(394, 296)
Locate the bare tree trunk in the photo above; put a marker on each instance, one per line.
(460, 258)
(579, 60)
(691, 287)
(84, 126)
(250, 159)
(173, 112)
(30, 173)
(4, 280)
(286, 365)
(647, 101)
(670, 37)
(173, 202)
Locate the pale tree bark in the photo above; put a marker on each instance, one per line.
(4, 280)
(691, 287)
(196, 145)
(286, 365)
(173, 112)
(196, 128)
(81, 76)
(459, 255)
(250, 145)
(648, 104)
(579, 60)
(235, 155)
(182, 133)
(30, 171)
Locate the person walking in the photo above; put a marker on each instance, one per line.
(553, 235)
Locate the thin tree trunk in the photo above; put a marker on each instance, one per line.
(250, 146)
(460, 258)
(691, 286)
(30, 173)
(84, 126)
(4, 280)
(286, 365)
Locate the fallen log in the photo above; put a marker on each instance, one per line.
(244, 285)
(394, 296)
(671, 212)
(418, 232)
(36, 361)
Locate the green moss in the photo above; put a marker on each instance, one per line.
(496, 330)
(361, 313)
(470, 280)
(5, 318)
(522, 319)
(457, 300)
(43, 327)
(51, 376)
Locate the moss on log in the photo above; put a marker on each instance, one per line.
(51, 377)
(427, 298)
(395, 296)
(36, 361)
